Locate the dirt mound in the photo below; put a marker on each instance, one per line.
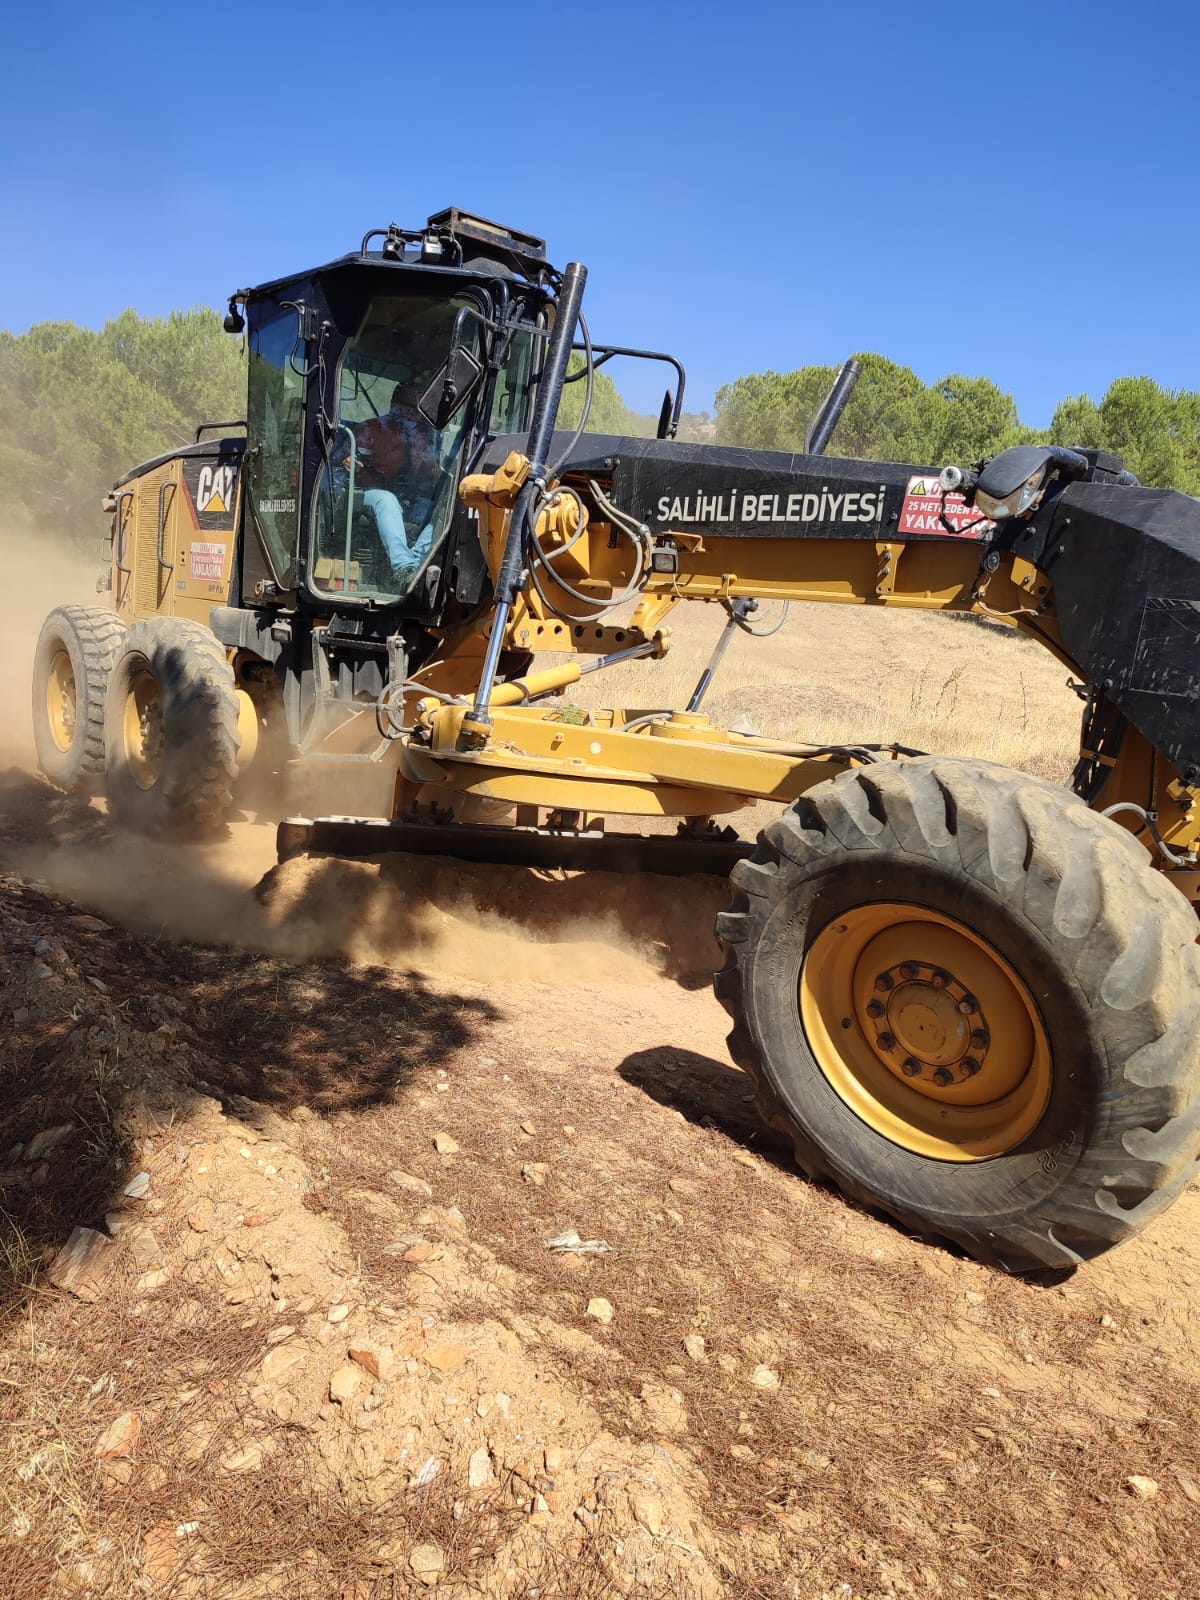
(503, 923)
(289, 1404)
(430, 914)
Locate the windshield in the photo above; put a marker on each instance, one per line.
(386, 493)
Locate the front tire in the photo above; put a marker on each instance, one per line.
(71, 666)
(171, 729)
(973, 1005)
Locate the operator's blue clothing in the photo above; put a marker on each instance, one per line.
(405, 558)
(397, 454)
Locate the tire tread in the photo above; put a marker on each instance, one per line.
(1125, 936)
(97, 635)
(201, 734)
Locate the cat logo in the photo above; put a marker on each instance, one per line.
(214, 490)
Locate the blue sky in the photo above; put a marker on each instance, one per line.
(1011, 191)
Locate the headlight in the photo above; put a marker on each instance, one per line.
(1016, 503)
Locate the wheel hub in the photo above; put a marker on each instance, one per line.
(925, 1031)
(61, 701)
(150, 725)
(926, 1024)
(145, 740)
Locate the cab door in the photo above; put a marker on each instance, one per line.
(274, 447)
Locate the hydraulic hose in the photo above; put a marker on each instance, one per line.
(1175, 857)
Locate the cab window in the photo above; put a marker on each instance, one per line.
(511, 401)
(275, 421)
(386, 493)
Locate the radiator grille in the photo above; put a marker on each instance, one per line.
(151, 580)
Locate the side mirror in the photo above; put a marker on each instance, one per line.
(451, 388)
(666, 412)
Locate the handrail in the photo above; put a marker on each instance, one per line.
(121, 542)
(163, 506)
(606, 352)
(205, 426)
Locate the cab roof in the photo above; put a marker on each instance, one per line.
(452, 242)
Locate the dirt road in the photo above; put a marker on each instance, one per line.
(329, 1352)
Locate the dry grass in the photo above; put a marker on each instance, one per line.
(67, 1371)
(199, 1530)
(842, 674)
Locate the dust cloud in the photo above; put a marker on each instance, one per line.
(445, 919)
(440, 917)
(496, 922)
(39, 575)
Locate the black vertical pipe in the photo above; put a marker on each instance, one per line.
(541, 429)
(830, 414)
(541, 433)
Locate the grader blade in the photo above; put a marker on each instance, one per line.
(518, 847)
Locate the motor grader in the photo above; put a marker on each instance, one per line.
(969, 997)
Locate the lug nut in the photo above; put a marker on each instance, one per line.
(943, 1077)
(968, 1004)
(911, 1067)
(884, 982)
(909, 969)
(887, 1041)
(875, 1008)
(970, 1066)
(940, 979)
(981, 1038)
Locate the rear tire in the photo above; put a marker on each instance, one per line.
(171, 729)
(1036, 1122)
(74, 656)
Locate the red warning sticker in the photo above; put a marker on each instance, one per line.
(207, 560)
(925, 504)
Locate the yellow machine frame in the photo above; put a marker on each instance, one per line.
(686, 767)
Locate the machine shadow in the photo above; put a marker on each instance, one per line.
(326, 1035)
(714, 1094)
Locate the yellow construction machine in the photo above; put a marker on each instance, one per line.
(969, 997)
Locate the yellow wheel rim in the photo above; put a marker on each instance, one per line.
(924, 1030)
(142, 727)
(61, 707)
(247, 716)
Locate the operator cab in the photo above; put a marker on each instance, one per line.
(352, 465)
